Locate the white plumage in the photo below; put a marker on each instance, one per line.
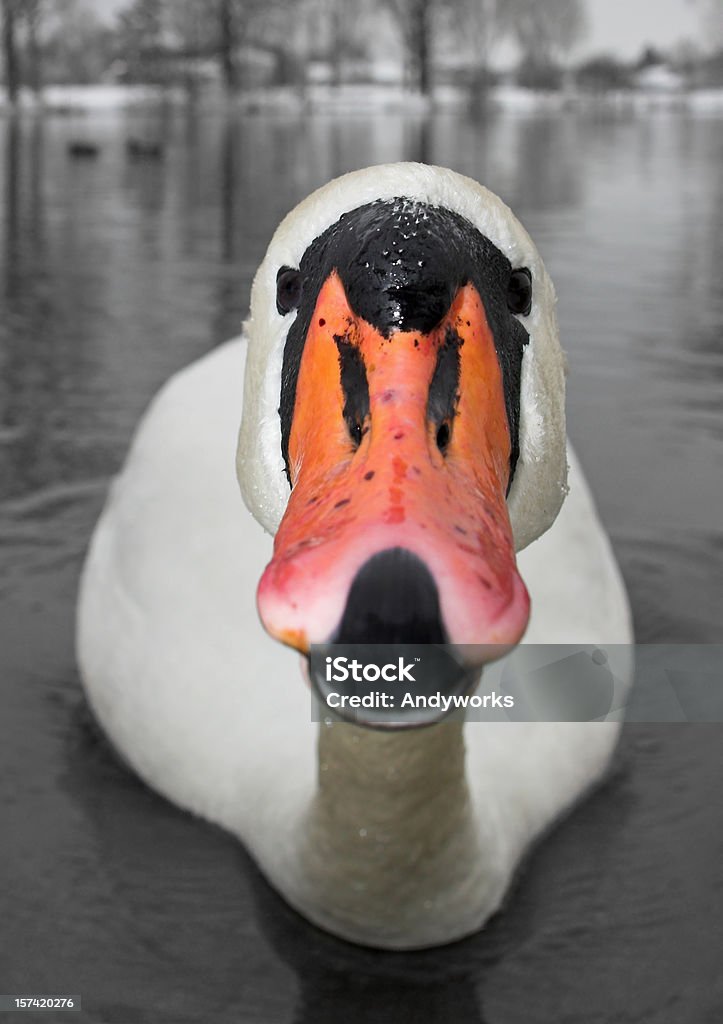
(386, 839)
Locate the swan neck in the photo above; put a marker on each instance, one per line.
(375, 776)
(390, 847)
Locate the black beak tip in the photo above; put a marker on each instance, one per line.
(392, 600)
(389, 649)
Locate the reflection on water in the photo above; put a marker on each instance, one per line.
(116, 272)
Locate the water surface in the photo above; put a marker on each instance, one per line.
(113, 274)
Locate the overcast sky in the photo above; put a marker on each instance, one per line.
(617, 26)
(624, 26)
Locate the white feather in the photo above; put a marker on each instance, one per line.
(394, 845)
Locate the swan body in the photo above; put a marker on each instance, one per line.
(395, 839)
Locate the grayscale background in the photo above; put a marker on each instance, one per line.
(147, 152)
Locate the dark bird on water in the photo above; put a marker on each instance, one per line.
(140, 149)
(80, 149)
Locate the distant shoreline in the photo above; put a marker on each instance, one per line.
(363, 100)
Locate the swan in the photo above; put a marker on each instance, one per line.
(402, 456)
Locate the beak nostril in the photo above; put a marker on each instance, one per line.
(355, 388)
(443, 396)
(355, 432)
(444, 435)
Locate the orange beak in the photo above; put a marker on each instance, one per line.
(398, 442)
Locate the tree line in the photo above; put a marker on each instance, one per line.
(65, 40)
(163, 40)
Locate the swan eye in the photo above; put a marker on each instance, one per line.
(519, 292)
(288, 290)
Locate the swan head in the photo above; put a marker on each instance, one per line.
(403, 428)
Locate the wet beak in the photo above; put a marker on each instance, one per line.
(398, 444)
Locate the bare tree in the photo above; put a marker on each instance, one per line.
(140, 33)
(487, 27)
(546, 30)
(33, 12)
(228, 44)
(10, 48)
(278, 28)
(481, 24)
(414, 18)
(337, 22)
(164, 39)
(421, 40)
(232, 25)
(350, 32)
(73, 45)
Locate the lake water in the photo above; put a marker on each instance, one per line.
(116, 272)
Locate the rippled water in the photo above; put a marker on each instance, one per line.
(114, 273)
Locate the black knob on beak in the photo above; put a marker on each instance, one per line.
(390, 649)
(392, 600)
